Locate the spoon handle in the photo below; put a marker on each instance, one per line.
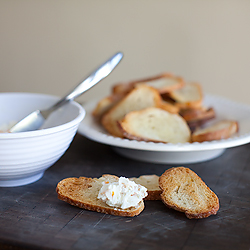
(96, 76)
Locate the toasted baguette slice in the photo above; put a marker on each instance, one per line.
(171, 108)
(105, 104)
(155, 125)
(197, 117)
(194, 125)
(122, 88)
(195, 114)
(184, 191)
(164, 83)
(82, 192)
(189, 96)
(139, 98)
(151, 182)
(219, 130)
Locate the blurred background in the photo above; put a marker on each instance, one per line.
(49, 46)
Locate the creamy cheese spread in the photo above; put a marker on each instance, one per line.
(122, 193)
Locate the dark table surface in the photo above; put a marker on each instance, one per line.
(32, 217)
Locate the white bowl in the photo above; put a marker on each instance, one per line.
(25, 156)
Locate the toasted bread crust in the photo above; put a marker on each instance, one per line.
(184, 191)
(151, 182)
(101, 209)
(82, 192)
(174, 83)
(155, 125)
(132, 101)
(177, 82)
(194, 125)
(122, 88)
(191, 115)
(195, 118)
(153, 196)
(210, 134)
(201, 215)
(105, 104)
(190, 96)
(171, 108)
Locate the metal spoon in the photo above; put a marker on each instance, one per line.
(37, 118)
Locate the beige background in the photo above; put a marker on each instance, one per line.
(48, 46)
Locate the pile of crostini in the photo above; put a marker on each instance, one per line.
(162, 108)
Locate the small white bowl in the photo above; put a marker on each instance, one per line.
(25, 156)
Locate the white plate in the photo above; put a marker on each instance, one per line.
(180, 153)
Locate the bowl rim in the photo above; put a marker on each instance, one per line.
(45, 131)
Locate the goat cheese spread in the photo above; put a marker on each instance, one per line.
(122, 193)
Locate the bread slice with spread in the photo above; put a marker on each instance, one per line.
(83, 192)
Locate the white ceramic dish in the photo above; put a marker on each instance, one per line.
(182, 153)
(25, 156)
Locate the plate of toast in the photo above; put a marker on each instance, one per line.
(163, 119)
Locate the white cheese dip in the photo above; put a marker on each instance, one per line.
(122, 193)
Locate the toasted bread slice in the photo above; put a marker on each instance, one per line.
(219, 130)
(164, 83)
(184, 191)
(151, 182)
(83, 192)
(105, 104)
(155, 125)
(122, 88)
(197, 124)
(139, 98)
(195, 114)
(171, 108)
(189, 96)
(197, 117)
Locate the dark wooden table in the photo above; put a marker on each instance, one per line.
(31, 216)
